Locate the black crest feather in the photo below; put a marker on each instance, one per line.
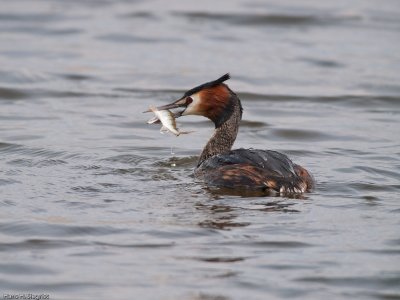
(207, 85)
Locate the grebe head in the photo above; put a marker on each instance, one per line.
(213, 100)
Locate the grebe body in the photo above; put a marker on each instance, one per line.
(255, 169)
(218, 165)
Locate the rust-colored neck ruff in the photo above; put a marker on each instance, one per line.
(225, 133)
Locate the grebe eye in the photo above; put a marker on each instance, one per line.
(188, 100)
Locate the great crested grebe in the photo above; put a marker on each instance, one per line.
(220, 166)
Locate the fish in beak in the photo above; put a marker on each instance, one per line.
(181, 103)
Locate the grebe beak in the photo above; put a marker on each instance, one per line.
(184, 102)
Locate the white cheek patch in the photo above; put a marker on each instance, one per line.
(194, 107)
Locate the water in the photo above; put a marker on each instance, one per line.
(96, 204)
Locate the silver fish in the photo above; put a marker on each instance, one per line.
(167, 119)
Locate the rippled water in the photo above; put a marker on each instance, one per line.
(96, 204)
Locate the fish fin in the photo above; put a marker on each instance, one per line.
(154, 120)
(163, 129)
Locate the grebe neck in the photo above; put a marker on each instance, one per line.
(225, 133)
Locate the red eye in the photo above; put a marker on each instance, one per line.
(188, 100)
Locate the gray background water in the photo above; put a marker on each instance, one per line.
(95, 205)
